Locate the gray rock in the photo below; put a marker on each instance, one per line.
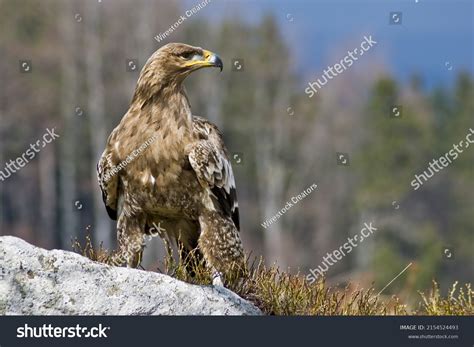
(34, 281)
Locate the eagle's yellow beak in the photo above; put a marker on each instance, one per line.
(207, 59)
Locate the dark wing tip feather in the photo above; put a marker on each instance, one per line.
(227, 203)
(110, 211)
(236, 218)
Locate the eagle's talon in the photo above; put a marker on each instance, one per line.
(217, 279)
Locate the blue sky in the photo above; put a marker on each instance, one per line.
(434, 34)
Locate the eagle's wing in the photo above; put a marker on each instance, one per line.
(108, 181)
(209, 159)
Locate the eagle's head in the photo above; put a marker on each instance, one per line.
(170, 65)
(180, 58)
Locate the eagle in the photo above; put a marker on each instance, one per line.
(164, 166)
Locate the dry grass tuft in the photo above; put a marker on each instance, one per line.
(459, 302)
(279, 293)
(87, 250)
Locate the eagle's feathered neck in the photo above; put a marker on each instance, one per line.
(166, 97)
(151, 85)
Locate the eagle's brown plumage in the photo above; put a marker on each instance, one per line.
(164, 166)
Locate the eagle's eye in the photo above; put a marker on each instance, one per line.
(186, 55)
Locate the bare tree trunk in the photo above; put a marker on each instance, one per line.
(3, 129)
(47, 190)
(96, 113)
(270, 176)
(68, 142)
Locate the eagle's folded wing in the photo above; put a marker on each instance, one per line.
(108, 182)
(208, 158)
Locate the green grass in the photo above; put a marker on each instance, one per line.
(276, 292)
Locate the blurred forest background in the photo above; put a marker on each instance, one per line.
(80, 84)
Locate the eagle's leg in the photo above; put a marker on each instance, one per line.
(220, 245)
(131, 240)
